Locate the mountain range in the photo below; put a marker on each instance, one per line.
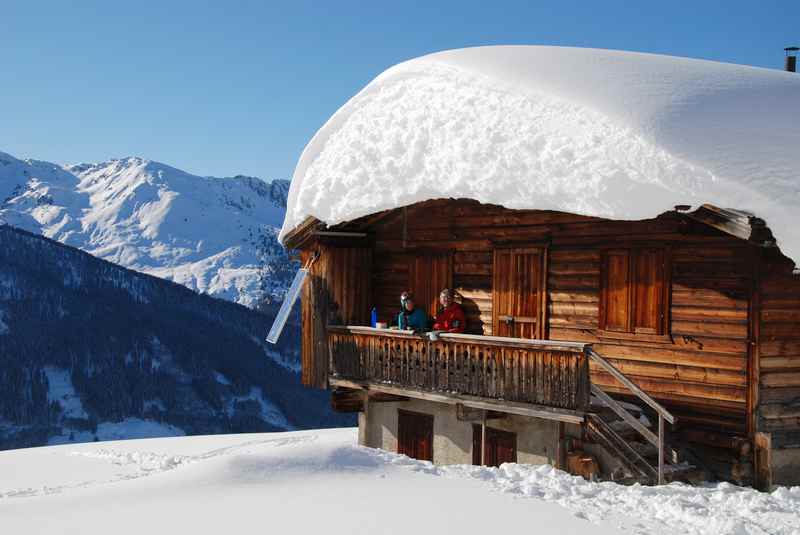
(134, 302)
(213, 235)
(92, 350)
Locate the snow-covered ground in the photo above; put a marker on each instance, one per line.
(321, 482)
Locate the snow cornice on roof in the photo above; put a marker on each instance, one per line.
(612, 134)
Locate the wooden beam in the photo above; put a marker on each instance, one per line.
(468, 414)
(347, 400)
(736, 223)
(299, 235)
(625, 415)
(339, 234)
(543, 345)
(382, 397)
(510, 407)
(631, 386)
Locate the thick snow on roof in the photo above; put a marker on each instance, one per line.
(605, 133)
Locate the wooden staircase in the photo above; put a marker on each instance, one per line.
(645, 453)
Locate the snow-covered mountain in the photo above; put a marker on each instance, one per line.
(214, 235)
(92, 350)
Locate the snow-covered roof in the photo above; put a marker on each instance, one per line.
(604, 133)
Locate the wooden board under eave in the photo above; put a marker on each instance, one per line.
(337, 292)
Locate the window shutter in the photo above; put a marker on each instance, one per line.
(649, 291)
(616, 291)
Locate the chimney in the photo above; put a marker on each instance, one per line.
(791, 58)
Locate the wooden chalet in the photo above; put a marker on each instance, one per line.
(647, 350)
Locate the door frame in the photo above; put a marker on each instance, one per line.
(417, 415)
(541, 319)
(492, 435)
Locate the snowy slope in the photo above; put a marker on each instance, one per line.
(598, 132)
(320, 482)
(214, 235)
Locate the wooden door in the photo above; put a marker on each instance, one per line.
(430, 273)
(501, 446)
(518, 292)
(415, 435)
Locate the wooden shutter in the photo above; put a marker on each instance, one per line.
(501, 446)
(429, 275)
(634, 291)
(415, 435)
(648, 298)
(518, 293)
(615, 315)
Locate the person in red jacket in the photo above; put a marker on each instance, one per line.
(450, 318)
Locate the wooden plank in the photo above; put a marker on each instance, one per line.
(780, 379)
(686, 374)
(625, 415)
(522, 409)
(780, 363)
(698, 393)
(631, 386)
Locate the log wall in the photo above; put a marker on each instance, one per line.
(338, 292)
(779, 352)
(699, 369)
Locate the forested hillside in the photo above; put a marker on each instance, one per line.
(88, 347)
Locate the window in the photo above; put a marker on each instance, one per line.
(634, 291)
(501, 446)
(415, 435)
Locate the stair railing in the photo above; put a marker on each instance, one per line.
(663, 414)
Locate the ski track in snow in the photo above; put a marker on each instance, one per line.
(148, 463)
(719, 508)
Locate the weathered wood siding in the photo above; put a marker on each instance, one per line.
(698, 367)
(779, 352)
(338, 292)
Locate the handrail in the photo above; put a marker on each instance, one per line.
(544, 345)
(539, 372)
(663, 414)
(619, 376)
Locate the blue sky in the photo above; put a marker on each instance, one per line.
(224, 88)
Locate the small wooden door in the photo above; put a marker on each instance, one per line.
(415, 435)
(518, 292)
(429, 275)
(501, 446)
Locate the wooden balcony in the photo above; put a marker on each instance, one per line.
(532, 377)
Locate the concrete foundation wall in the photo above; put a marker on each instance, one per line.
(537, 439)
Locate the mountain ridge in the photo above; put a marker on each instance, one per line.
(214, 235)
(91, 349)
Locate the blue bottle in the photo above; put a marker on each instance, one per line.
(374, 317)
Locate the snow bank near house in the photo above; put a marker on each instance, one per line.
(605, 133)
(321, 482)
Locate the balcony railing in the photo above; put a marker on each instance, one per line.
(541, 372)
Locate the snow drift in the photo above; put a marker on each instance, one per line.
(321, 482)
(604, 133)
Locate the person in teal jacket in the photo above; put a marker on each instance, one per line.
(410, 317)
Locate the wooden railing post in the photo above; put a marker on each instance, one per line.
(660, 449)
(541, 372)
